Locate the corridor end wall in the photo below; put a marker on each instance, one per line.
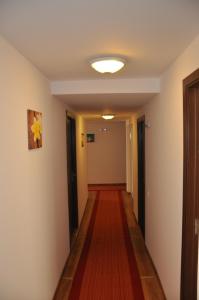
(107, 155)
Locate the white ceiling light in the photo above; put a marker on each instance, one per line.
(107, 64)
(108, 117)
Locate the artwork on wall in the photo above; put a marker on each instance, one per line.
(90, 137)
(34, 129)
(82, 139)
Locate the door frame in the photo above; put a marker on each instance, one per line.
(141, 214)
(189, 259)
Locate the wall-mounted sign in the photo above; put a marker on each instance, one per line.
(90, 137)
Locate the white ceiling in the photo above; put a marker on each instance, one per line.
(60, 36)
(106, 103)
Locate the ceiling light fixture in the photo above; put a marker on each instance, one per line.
(107, 64)
(108, 117)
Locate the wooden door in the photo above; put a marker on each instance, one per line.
(141, 173)
(190, 189)
(72, 176)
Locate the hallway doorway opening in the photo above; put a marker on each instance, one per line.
(190, 228)
(141, 173)
(72, 176)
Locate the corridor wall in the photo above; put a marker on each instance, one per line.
(33, 192)
(164, 171)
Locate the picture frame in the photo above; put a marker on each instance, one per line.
(34, 120)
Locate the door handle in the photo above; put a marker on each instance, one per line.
(196, 226)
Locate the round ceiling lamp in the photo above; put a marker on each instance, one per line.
(107, 64)
(108, 116)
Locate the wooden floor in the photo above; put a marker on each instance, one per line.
(150, 283)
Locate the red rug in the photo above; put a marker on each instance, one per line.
(107, 267)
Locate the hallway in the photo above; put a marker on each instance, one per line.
(104, 81)
(108, 259)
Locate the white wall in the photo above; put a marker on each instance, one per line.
(164, 171)
(82, 178)
(107, 155)
(106, 86)
(129, 157)
(134, 154)
(33, 197)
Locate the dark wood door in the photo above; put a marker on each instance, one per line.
(141, 173)
(190, 188)
(72, 176)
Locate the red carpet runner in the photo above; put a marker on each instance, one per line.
(107, 268)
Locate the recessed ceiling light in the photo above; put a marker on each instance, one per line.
(108, 117)
(107, 64)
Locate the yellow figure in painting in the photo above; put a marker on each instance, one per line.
(36, 129)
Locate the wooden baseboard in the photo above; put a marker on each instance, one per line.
(59, 282)
(106, 184)
(155, 270)
(151, 260)
(71, 248)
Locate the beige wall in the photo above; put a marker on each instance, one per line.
(133, 122)
(82, 179)
(135, 163)
(33, 195)
(164, 171)
(107, 156)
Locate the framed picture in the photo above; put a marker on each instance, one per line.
(34, 129)
(90, 137)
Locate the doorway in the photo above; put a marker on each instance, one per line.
(72, 176)
(141, 173)
(190, 228)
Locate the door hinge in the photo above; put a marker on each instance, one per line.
(196, 226)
